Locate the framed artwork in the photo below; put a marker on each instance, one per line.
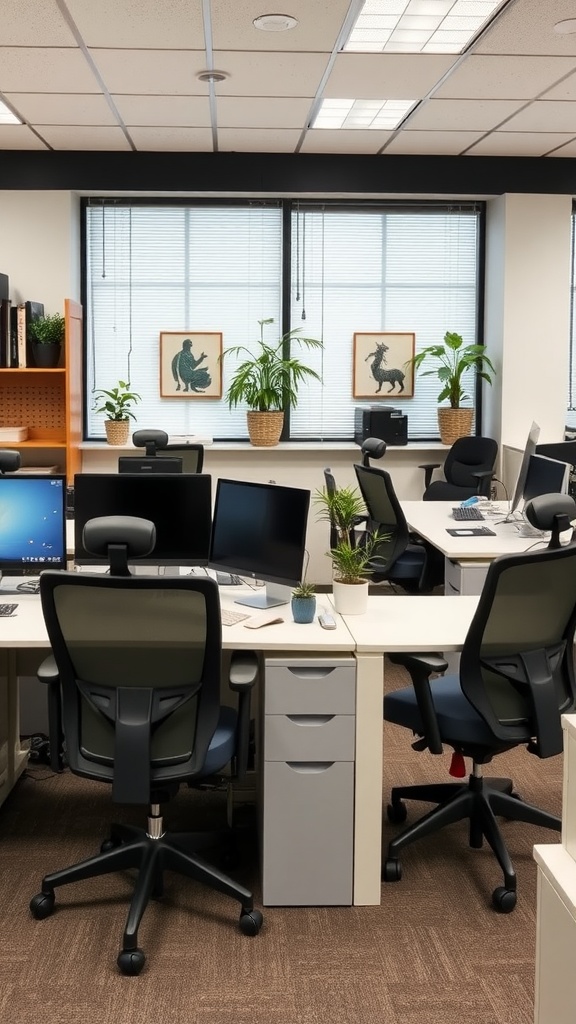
(379, 365)
(190, 365)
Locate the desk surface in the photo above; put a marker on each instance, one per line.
(432, 520)
(412, 623)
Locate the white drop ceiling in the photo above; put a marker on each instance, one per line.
(121, 75)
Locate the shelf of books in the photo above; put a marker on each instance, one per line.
(41, 409)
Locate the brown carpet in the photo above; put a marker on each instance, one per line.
(434, 952)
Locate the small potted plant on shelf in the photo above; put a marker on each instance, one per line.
(116, 404)
(453, 358)
(267, 381)
(354, 556)
(46, 334)
(304, 602)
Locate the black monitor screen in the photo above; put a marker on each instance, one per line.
(529, 451)
(545, 476)
(179, 505)
(32, 522)
(259, 531)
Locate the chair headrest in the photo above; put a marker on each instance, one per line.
(150, 439)
(543, 511)
(9, 460)
(137, 535)
(373, 447)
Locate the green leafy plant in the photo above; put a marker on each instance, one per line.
(47, 330)
(117, 402)
(453, 358)
(353, 559)
(267, 381)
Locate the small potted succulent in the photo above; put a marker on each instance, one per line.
(117, 405)
(304, 602)
(45, 335)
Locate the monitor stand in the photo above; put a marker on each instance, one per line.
(274, 594)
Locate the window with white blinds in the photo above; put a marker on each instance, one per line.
(218, 267)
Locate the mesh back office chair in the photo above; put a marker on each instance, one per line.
(155, 441)
(372, 448)
(468, 470)
(139, 664)
(516, 679)
(416, 567)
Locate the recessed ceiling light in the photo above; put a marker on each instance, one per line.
(275, 22)
(367, 114)
(212, 76)
(421, 26)
(565, 28)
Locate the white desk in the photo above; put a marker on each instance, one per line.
(391, 624)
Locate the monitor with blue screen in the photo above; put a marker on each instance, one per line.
(32, 523)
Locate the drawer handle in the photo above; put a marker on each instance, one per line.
(309, 767)
(310, 719)
(312, 673)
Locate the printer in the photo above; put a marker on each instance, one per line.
(389, 424)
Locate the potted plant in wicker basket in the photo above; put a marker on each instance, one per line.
(354, 557)
(267, 382)
(116, 404)
(453, 359)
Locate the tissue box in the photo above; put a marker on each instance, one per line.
(12, 434)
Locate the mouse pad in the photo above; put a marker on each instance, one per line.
(479, 531)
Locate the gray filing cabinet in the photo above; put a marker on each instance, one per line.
(308, 781)
(464, 578)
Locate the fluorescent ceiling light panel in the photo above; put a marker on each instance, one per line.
(6, 115)
(419, 26)
(377, 114)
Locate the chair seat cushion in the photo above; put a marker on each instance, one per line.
(458, 721)
(223, 742)
(441, 490)
(410, 563)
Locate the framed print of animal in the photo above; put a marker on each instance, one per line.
(190, 364)
(380, 367)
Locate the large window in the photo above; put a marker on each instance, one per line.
(219, 267)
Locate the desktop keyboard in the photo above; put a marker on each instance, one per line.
(229, 617)
(465, 513)
(7, 609)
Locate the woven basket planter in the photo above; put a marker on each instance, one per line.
(264, 428)
(454, 423)
(117, 431)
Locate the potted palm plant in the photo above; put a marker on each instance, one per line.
(268, 381)
(452, 359)
(117, 404)
(46, 334)
(353, 557)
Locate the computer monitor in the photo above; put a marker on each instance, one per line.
(545, 476)
(179, 504)
(32, 523)
(148, 464)
(192, 456)
(529, 451)
(259, 531)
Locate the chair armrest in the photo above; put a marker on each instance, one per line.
(244, 667)
(481, 475)
(47, 673)
(420, 668)
(429, 468)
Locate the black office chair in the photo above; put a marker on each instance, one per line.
(415, 566)
(9, 460)
(139, 664)
(516, 679)
(468, 470)
(156, 441)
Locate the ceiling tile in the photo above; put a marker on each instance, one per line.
(152, 72)
(37, 69)
(62, 108)
(261, 112)
(34, 23)
(520, 78)
(565, 90)
(170, 111)
(545, 116)
(318, 26)
(139, 23)
(172, 140)
(519, 143)
(344, 141)
(19, 136)
(87, 138)
(385, 75)
(257, 140)
(468, 115)
(527, 27)
(569, 150)
(270, 74)
(437, 143)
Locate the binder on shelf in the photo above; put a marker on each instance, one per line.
(4, 286)
(27, 312)
(5, 309)
(13, 352)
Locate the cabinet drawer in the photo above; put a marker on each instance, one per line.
(310, 687)
(309, 738)
(466, 578)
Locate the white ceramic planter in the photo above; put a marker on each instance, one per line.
(350, 598)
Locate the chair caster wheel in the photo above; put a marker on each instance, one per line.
(250, 922)
(391, 870)
(503, 899)
(396, 813)
(131, 961)
(42, 905)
